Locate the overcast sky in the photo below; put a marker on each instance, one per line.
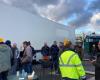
(78, 13)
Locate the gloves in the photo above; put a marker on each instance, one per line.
(83, 78)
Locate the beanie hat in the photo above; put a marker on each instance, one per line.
(66, 42)
(1, 40)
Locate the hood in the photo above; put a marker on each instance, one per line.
(3, 47)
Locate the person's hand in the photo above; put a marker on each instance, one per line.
(83, 78)
(93, 61)
(22, 60)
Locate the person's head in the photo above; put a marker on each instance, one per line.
(45, 44)
(8, 42)
(99, 45)
(68, 44)
(14, 45)
(55, 43)
(29, 43)
(25, 44)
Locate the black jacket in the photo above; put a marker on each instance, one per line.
(97, 68)
(54, 51)
(45, 51)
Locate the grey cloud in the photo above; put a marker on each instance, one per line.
(60, 9)
(98, 22)
(73, 6)
(64, 9)
(45, 2)
(95, 5)
(82, 19)
(70, 7)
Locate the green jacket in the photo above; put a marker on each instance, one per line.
(71, 66)
(5, 54)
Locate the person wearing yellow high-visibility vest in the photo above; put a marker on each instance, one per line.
(70, 66)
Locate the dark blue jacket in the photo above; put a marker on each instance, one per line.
(45, 51)
(54, 50)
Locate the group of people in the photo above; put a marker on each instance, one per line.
(51, 53)
(66, 59)
(71, 67)
(11, 59)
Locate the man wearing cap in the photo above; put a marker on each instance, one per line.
(5, 65)
(70, 65)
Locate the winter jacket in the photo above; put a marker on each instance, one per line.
(27, 56)
(5, 57)
(97, 67)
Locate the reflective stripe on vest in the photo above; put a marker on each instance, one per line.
(69, 65)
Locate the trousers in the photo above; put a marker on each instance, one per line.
(3, 75)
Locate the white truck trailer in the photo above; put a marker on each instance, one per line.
(18, 25)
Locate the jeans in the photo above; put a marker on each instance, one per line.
(54, 63)
(3, 75)
(27, 67)
(14, 67)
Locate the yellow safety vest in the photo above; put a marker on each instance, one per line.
(70, 65)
